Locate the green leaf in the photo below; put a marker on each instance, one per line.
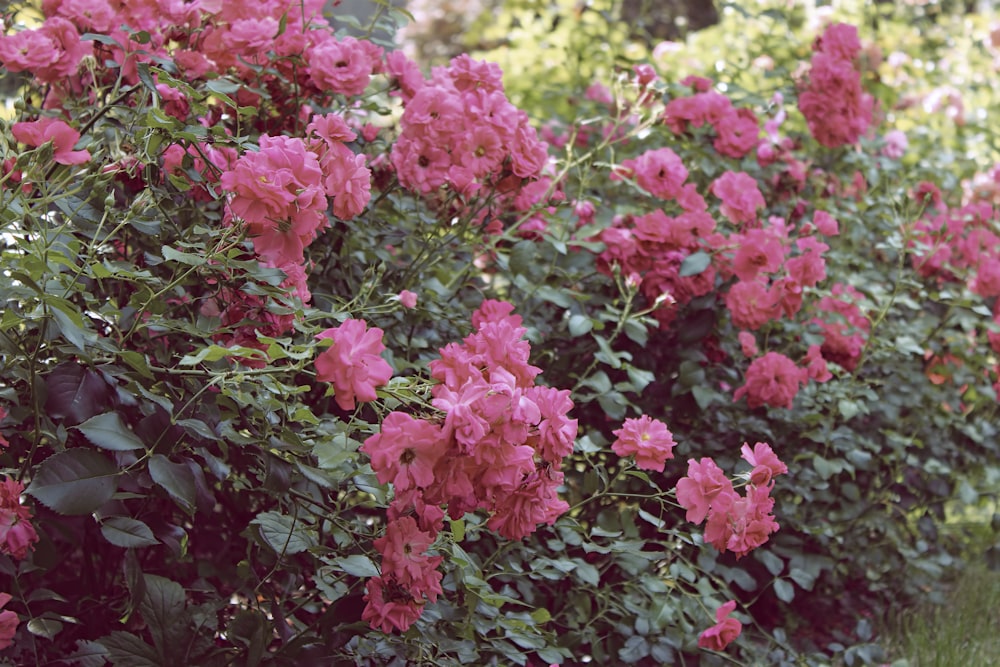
(108, 431)
(126, 650)
(784, 590)
(75, 481)
(694, 264)
(183, 257)
(773, 563)
(357, 565)
(45, 627)
(283, 533)
(541, 615)
(126, 532)
(75, 393)
(176, 478)
(70, 322)
(163, 611)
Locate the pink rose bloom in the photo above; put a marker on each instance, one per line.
(765, 462)
(759, 250)
(752, 305)
(390, 606)
(826, 223)
(839, 40)
(725, 630)
(8, 623)
(741, 524)
(648, 439)
(816, 365)
(17, 535)
(772, 379)
(62, 136)
(748, 344)
(348, 182)
(52, 53)
(405, 451)
(740, 196)
(704, 482)
(809, 267)
(353, 363)
(341, 66)
(737, 133)
(659, 172)
(404, 555)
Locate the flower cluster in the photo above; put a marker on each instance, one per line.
(459, 129)
(835, 106)
(17, 535)
(735, 523)
(736, 130)
(498, 447)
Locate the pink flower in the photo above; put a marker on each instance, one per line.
(809, 267)
(835, 106)
(759, 251)
(62, 136)
(52, 53)
(407, 299)
(8, 623)
(403, 548)
(740, 196)
(816, 365)
(353, 363)
(390, 606)
(17, 535)
(748, 344)
(741, 524)
(725, 630)
(752, 305)
(772, 379)
(839, 40)
(348, 182)
(342, 66)
(405, 451)
(659, 172)
(765, 462)
(704, 482)
(648, 439)
(895, 145)
(737, 133)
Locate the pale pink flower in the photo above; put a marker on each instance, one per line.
(353, 363)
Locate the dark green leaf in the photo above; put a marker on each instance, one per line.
(357, 565)
(163, 611)
(75, 393)
(126, 650)
(108, 431)
(176, 478)
(76, 481)
(127, 532)
(284, 533)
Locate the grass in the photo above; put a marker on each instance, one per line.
(962, 632)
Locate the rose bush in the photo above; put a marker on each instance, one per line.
(311, 357)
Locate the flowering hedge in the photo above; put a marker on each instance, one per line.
(309, 356)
